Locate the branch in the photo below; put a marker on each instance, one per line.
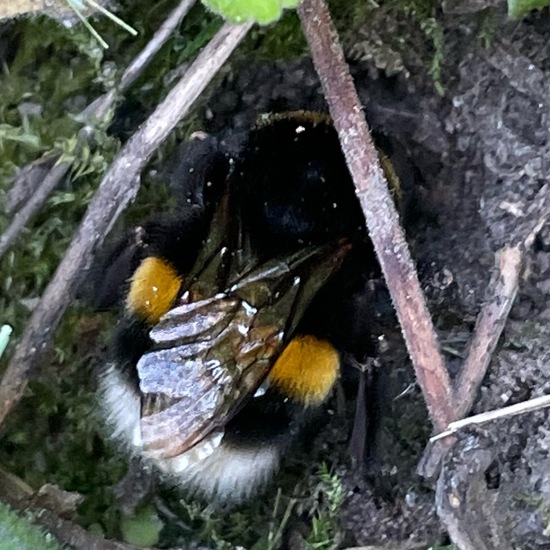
(101, 106)
(116, 191)
(98, 110)
(489, 325)
(21, 497)
(381, 216)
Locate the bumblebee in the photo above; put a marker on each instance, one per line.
(239, 310)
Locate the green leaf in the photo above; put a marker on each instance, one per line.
(260, 11)
(519, 8)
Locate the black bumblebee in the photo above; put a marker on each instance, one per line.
(239, 308)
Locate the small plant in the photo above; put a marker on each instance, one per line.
(423, 13)
(325, 529)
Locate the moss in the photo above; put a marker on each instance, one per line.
(52, 74)
(423, 13)
(282, 41)
(18, 533)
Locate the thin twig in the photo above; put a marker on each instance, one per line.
(28, 180)
(33, 204)
(73, 535)
(101, 106)
(21, 497)
(381, 216)
(116, 191)
(98, 109)
(489, 325)
(532, 405)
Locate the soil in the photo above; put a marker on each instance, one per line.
(482, 149)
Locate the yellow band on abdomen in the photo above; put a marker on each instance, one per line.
(154, 287)
(306, 370)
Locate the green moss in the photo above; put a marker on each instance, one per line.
(282, 41)
(18, 533)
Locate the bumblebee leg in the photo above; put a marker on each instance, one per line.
(360, 443)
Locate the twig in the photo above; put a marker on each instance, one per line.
(73, 535)
(98, 110)
(489, 325)
(490, 322)
(15, 492)
(28, 180)
(503, 287)
(116, 191)
(537, 215)
(381, 216)
(532, 405)
(33, 204)
(101, 106)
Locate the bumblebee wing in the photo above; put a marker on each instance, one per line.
(192, 388)
(216, 352)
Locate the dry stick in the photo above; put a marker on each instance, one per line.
(489, 325)
(98, 109)
(381, 216)
(35, 201)
(71, 534)
(116, 191)
(532, 405)
(20, 496)
(490, 322)
(492, 317)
